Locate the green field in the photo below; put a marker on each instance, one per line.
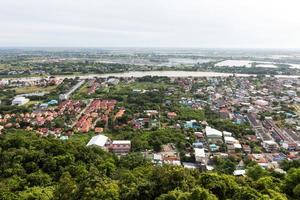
(31, 89)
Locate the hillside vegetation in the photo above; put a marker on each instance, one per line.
(33, 167)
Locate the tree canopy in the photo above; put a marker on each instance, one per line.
(33, 167)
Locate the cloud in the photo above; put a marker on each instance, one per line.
(150, 23)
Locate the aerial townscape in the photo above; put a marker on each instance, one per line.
(149, 100)
(145, 135)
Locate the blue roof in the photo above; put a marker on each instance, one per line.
(190, 124)
(53, 102)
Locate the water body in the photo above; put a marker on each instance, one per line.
(152, 73)
(164, 73)
(184, 61)
(234, 63)
(266, 66)
(248, 63)
(177, 74)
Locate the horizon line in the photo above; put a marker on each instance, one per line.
(150, 47)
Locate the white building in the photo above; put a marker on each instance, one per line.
(230, 140)
(113, 81)
(98, 140)
(63, 97)
(225, 133)
(239, 172)
(270, 145)
(212, 133)
(115, 146)
(291, 93)
(120, 146)
(237, 146)
(189, 165)
(199, 155)
(19, 101)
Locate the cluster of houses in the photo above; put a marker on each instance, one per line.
(41, 119)
(25, 82)
(244, 101)
(97, 110)
(149, 120)
(94, 84)
(168, 155)
(268, 106)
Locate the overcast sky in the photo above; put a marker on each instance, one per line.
(151, 23)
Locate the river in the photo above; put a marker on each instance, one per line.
(152, 73)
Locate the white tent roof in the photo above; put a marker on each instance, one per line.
(98, 140)
(212, 132)
(19, 98)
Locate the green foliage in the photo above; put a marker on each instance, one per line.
(96, 188)
(145, 101)
(59, 122)
(4, 109)
(66, 188)
(38, 178)
(255, 172)
(248, 193)
(133, 160)
(223, 186)
(33, 167)
(154, 79)
(187, 113)
(37, 193)
(276, 195)
(288, 164)
(224, 165)
(152, 140)
(170, 177)
(197, 193)
(267, 183)
(292, 181)
(296, 190)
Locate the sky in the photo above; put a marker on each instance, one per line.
(150, 23)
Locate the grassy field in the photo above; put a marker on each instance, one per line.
(148, 85)
(80, 138)
(82, 91)
(31, 103)
(14, 68)
(30, 89)
(3, 67)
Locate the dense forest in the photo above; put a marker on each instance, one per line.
(34, 167)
